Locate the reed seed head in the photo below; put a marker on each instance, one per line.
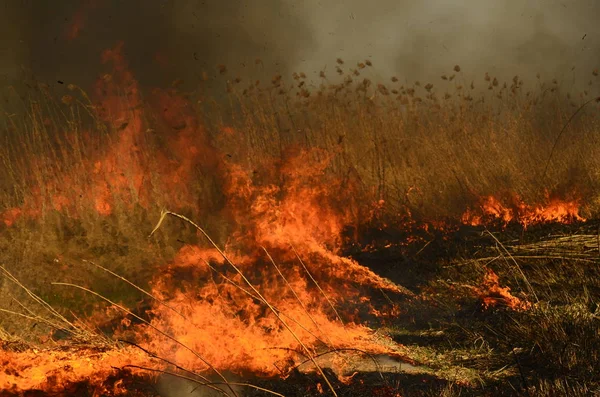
(67, 99)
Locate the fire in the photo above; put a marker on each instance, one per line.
(52, 370)
(492, 294)
(122, 175)
(300, 224)
(278, 292)
(554, 210)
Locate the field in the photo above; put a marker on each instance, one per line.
(346, 237)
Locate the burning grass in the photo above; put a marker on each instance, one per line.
(305, 220)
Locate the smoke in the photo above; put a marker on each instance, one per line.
(164, 40)
(420, 40)
(414, 40)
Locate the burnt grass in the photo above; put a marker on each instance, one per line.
(551, 349)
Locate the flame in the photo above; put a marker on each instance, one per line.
(10, 216)
(301, 223)
(52, 370)
(123, 174)
(294, 295)
(554, 210)
(277, 292)
(492, 294)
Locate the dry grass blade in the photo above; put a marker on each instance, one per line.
(41, 319)
(63, 324)
(163, 214)
(154, 355)
(136, 287)
(32, 318)
(200, 383)
(529, 287)
(579, 109)
(350, 349)
(575, 247)
(251, 386)
(37, 298)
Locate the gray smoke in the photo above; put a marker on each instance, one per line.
(412, 39)
(420, 40)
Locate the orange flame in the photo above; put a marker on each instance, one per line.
(291, 209)
(288, 217)
(492, 294)
(52, 370)
(555, 210)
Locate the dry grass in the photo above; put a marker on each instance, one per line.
(428, 149)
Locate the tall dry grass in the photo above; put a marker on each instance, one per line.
(431, 148)
(427, 148)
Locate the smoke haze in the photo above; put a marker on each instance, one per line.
(414, 40)
(421, 39)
